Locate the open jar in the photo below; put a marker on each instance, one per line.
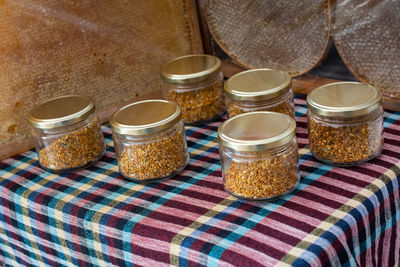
(345, 123)
(67, 133)
(259, 157)
(259, 90)
(149, 140)
(194, 82)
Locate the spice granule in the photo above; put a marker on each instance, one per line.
(345, 144)
(76, 149)
(199, 105)
(154, 159)
(263, 178)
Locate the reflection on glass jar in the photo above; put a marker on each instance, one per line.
(259, 90)
(67, 133)
(194, 82)
(149, 140)
(259, 157)
(345, 123)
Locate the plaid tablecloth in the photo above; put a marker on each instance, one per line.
(336, 216)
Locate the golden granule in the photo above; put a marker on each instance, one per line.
(154, 159)
(345, 144)
(199, 105)
(285, 107)
(76, 149)
(263, 178)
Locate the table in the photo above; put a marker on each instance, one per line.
(95, 217)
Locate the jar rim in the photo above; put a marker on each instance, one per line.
(344, 99)
(145, 117)
(190, 69)
(257, 131)
(61, 111)
(258, 84)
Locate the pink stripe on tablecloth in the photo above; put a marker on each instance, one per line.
(247, 252)
(142, 261)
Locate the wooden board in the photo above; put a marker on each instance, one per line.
(109, 50)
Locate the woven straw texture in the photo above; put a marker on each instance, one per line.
(367, 36)
(281, 34)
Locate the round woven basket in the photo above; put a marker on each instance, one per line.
(281, 34)
(367, 37)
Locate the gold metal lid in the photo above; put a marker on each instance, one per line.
(61, 111)
(258, 84)
(145, 117)
(190, 69)
(257, 131)
(344, 99)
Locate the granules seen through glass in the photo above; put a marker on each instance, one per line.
(258, 152)
(149, 140)
(194, 82)
(259, 90)
(345, 123)
(67, 133)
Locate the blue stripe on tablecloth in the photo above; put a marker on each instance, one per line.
(344, 225)
(225, 243)
(20, 216)
(387, 224)
(163, 196)
(153, 206)
(53, 234)
(314, 250)
(179, 188)
(249, 223)
(217, 250)
(31, 202)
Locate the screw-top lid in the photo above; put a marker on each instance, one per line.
(258, 84)
(145, 117)
(344, 99)
(256, 131)
(61, 111)
(190, 69)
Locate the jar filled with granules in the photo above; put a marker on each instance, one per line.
(67, 133)
(149, 140)
(259, 90)
(194, 82)
(345, 123)
(258, 152)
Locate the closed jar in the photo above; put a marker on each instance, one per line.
(345, 123)
(259, 90)
(259, 155)
(194, 82)
(67, 133)
(149, 140)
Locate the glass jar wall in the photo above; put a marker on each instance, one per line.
(149, 140)
(259, 90)
(259, 155)
(194, 82)
(67, 133)
(345, 123)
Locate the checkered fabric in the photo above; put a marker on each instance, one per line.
(95, 217)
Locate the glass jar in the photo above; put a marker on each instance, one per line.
(67, 133)
(345, 123)
(259, 90)
(149, 140)
(194, 82)
(259, 157)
